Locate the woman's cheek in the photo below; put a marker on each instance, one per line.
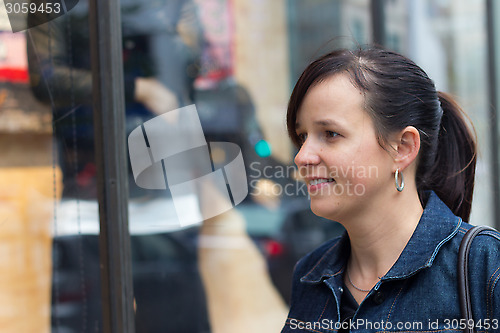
(363, 178)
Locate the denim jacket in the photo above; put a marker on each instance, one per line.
(418, 294)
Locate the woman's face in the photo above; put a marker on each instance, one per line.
(346, 170)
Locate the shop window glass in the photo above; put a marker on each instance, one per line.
(48, 175)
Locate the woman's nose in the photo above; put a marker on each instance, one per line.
(307, 155)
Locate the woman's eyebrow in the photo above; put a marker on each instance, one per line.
(322, 123)
(326, 122)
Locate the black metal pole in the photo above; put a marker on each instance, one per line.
(111, 162)
(493, 102)
(378, 21)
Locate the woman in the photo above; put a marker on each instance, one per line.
(393, 160)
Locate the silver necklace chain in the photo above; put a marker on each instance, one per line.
(352, 284)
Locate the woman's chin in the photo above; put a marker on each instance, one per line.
(324, 209)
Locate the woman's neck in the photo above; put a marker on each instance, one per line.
(378, 239)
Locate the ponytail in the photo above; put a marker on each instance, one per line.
(451, 176)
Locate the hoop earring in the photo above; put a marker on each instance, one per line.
(399, 186)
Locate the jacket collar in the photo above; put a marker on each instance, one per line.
(437, 225)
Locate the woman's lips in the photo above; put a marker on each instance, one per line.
(314, 185)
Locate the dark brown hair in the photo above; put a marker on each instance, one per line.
(398, 93)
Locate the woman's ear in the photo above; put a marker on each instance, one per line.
(407, 145)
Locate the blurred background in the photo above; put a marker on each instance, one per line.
(237, 61)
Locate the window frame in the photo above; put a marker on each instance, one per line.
(111, 157)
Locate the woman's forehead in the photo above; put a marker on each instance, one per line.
(329, 101)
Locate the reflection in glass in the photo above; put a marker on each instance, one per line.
(29, 190)
(60, 78)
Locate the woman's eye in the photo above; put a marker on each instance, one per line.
(331, 134)
(302, 137)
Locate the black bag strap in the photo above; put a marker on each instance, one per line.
(463, 276)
